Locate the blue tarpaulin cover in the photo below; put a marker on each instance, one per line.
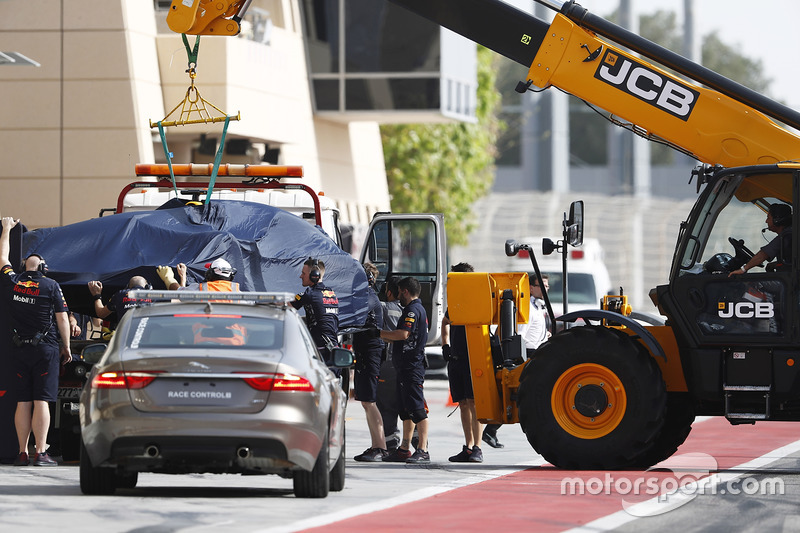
(266, 245)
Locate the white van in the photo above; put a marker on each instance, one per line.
(587, 276)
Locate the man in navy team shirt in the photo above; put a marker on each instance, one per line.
(37, 310)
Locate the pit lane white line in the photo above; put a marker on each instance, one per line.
(416, 495)
(642, 509)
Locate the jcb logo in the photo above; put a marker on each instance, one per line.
(647, 85)
(746, 310)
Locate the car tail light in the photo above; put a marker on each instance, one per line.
(285, 382)
(123, 380)
(576, 254)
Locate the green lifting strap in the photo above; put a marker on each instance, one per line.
(217, 160)
(191, 54)
(168, 154)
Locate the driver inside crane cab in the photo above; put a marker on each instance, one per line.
(779, 249)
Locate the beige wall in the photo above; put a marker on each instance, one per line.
(69, 128)
(72, 130)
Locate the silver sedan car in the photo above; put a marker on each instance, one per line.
(200, 385)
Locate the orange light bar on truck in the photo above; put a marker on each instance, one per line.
(192, 169)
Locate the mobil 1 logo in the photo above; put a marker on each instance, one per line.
(646, 84)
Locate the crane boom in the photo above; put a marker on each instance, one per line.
(714, 119)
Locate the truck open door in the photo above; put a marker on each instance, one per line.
(401, 245)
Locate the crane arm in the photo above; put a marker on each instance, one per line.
(715, 119)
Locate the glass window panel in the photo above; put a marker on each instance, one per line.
(326, 95)
(386, 94)
(383, 37)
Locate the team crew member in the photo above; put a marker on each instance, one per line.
(321, 306)
(218, 277)
(408, 355)
(37, 310)
(121, 302)
(454, 350)
(369, 351)
(387, 383)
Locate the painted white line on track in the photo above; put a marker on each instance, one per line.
(621, 518)
(416, 495)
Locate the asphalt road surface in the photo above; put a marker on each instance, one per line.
(725, 478)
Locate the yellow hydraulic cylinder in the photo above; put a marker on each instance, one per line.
(473, 301)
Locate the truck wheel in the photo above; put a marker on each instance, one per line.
(677, 426)
(314, 484)
(95, 480)
(592, 398)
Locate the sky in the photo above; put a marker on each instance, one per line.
(765, 30)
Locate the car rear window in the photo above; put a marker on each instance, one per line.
(200, 329)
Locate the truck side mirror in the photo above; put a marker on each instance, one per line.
(574, 229)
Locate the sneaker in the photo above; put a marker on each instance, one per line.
(476, 456)
(371, 455)
(392, 442)
(492, 441)
(42, 459)
(463, 456)
(419, 457)
(398, 455)
(22, 460)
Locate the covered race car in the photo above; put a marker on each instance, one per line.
(266, 245)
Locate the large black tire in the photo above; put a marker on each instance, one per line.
(314, 484)
(70, 434)
(592, 398)
(96, 480)
(677, 426)
(338, 472)
(128, 480)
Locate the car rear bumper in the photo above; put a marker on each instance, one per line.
(195, 444)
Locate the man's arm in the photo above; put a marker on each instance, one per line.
(62, 320)
(445, 330)
(96, 288)
(756, 260)
(396, 335)
(5, 247)
(168, 277)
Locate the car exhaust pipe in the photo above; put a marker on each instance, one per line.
(243, 452)
(152, 451)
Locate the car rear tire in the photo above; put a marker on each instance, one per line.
(592, 398)
(128, 480)
(96, 480)
(338, 472)
(316, 483)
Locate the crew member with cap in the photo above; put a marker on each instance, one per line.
(37, 310)
(321, 306)
(218, 277)
(779, 220)
(121, 302)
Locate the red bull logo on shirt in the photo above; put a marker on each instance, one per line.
(29, 288)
